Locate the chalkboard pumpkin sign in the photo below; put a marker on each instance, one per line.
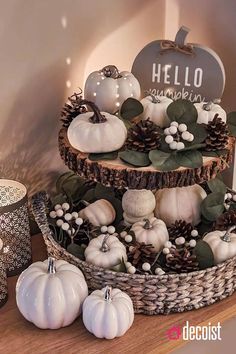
(179, 70)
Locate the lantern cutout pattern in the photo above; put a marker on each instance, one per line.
(14, 226)
(3, 277)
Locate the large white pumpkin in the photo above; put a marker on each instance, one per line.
(105, 251)
(50, 294)
(109, 88)
(108, 313)
(151, 231)
(222, 243)
(181, 203)
(96, 132)
(99, 213)
(207, 111)
(154, 107)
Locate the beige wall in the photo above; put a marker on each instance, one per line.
(47, 47)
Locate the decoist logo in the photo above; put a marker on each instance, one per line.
(189, 332)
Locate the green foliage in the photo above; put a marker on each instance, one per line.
(135, 158)
(76, 250)
(204, 254)
(213, 206)
(182, 111)
(130, 109)
(231, 121)
(163, 161)
(217, 185)
(103, 156)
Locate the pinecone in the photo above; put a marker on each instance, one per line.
(180, 229)
(143, 136)
(218, 135)
(72, 109)
(181, 260)
(226, 220)
(86, 232)
(139, 253)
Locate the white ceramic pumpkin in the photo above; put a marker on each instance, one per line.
(151, 231)
(50, 293)
(109, 88)
(96, 132)
(222, 243)
(181, 203)
(108, 313)
(99, 213)
(138, 205)
(105, 251)
(207, 111)
(154, 107)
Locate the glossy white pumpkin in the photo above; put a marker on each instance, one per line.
(154, 107)
(86, 136)
(108, 313)
(50, 294)
(99, 213)
(181, 203)
(105, 251)
(138, 205)
(223, 245)
(151, 231)
(109, 93)
(207, 111)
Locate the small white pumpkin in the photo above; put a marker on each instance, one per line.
(154, 107)
(105, 251)
(151, 231)
(207, 111)
(222, 243)
(99, 213)
(108, 313)
(138, 205)
(50, 294)
(181, 203)
(109, 88)
(96, 132)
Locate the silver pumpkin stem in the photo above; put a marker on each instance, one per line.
(226, 237)
(51, 265)
(107, 294)
(155, 99)
(104, 247)
(207, 106)
(147, 224)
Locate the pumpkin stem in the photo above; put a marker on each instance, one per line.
(107, 294)
(104, 247)
(207, 106)
(226, 236)
(111, 71)
(147, 224)
(51, 265)
(155, 98)
(97, 117)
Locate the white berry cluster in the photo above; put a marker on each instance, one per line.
(180, 241)
(175, 133)
(65, 220)
(111, 230)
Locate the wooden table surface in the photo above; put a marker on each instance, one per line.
(147, 335)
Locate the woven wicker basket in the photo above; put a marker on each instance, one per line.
(151, 294)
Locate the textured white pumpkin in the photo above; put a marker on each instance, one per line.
(108, 313)
(138, 205)
(99, 213)
(105, 251)
(207, 111)
(109, 89)
(151, 231)
(154, 107)
(181, 203)
(222, 243)
(50, 293)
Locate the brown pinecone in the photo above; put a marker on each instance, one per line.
(181, 260)
(226, 220)
(218, 135)
(139, 253)
(86, 232)
(180, 229)
(72, 109)
(143, 136)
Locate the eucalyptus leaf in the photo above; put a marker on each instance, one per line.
(163, 161)
(231, 121)
(213, 206)
(76, 251)
(120, 267)
(182, 111)
(89, 196)
(204, 254)
(190, 159)
(135, 158)
(199, 132)
(117, 205)
(61, 179)
(193, 147)
(217, 185)
(218, 153)
(131, 108)
(102, 191)
(103, 156)
(204, 227)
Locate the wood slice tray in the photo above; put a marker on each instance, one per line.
(116, 174)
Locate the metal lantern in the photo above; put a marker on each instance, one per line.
(14, 226)
(3, 278)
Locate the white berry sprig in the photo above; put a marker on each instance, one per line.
(176, 136)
